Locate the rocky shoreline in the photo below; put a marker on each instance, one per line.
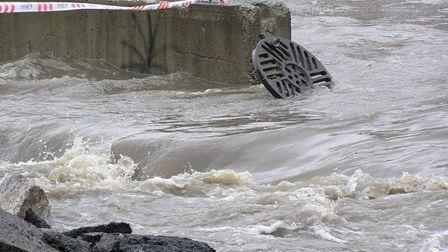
(22, 227)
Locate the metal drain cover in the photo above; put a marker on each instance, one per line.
(286, 68)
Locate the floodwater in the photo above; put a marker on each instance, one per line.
(363, 167)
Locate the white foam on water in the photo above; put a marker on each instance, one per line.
(199, 183)
(77, 170)
(31, 67)
(274, 227)
(324, 232)
(427, 1)
(280, 210)
(434, 242)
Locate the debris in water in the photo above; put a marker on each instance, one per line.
(286, 68)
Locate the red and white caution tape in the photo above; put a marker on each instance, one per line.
(26, 7)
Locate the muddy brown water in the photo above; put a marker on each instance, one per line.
(363, 167)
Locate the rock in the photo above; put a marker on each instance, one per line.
(18, 235)
(65, 243)
(93, 238)
(116, 236)
(131, 242)
(32, 218)
(113, 227)
(18, 194)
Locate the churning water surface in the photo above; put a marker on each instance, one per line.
(363, 167)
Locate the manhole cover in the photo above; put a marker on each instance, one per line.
(286, 68)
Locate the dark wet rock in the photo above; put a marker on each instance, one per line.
(93, 238)
(18, 194)
(113, 227)
(131, 242)
(118, 237)
(19, 235)
(32, 218)
(65, 243)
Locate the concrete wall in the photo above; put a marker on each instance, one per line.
(210, 41)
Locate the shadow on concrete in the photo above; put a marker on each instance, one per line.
(144, 58)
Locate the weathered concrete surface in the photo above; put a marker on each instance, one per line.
(209, 41)
(118, 37)
(18, 194)
(275, 19)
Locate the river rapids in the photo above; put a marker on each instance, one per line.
(363, 167)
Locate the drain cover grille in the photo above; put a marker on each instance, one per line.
(286, 68)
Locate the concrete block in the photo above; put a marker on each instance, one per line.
(209, 41)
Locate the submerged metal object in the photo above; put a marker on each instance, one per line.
(286, 68)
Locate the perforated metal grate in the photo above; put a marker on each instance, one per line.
(286, 68)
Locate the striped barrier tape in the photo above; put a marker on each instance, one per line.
(29, 7)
